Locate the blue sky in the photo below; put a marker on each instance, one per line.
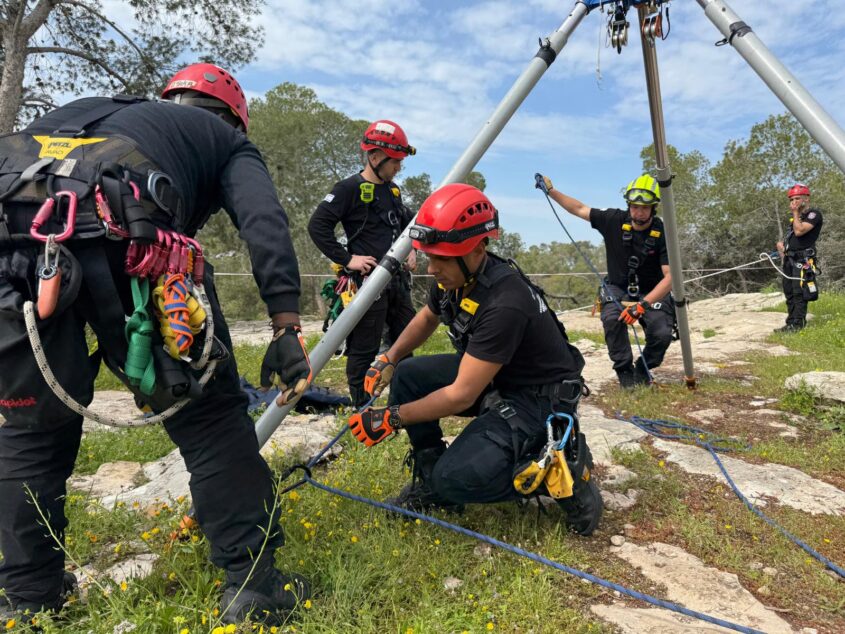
(440, 68)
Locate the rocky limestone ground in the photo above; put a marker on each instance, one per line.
(722, 331)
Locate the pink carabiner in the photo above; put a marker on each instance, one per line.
(46, 211)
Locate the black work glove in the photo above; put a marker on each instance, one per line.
(286, 364)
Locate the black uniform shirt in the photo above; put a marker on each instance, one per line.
(514, 327)
(808, 240)
(212, 165)
(371, 228)
(609, 223)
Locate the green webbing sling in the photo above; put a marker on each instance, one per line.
(139, 333)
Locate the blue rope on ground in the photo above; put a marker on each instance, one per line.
(505, 546)
(713, 444)
(668, 605)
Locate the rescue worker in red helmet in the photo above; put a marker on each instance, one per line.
(157, 167)
(514, 368)
(800, 262)
(638, 281)
(368, 205)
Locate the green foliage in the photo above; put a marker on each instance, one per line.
(708, 332)
(137, 444)
(74, 46)
(732, 211)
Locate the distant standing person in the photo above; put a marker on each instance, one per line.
(798, 251)
(369, 207)
(638, 276)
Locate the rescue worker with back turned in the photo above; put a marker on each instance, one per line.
(638, 276)
(369, 207)
(514, 367)
(800, 261)
(201, 161)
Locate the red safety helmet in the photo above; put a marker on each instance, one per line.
(453, 220)
(213, 81)
(798, 190)
(388, 137)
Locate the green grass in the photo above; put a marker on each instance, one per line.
(708, 332)
(374, 573)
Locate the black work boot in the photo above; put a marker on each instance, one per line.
(358, 395)
(269, 598)
(418, 495)
(24, 611)
(626, 377)
(584, 507)
(641, 373)
(790, 328)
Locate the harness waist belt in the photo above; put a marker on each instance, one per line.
(568, 390)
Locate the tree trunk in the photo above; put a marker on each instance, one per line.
(11, 83)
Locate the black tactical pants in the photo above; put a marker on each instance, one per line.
(657, 323)
(478, 466)
(231, 485)
(796, 305)
(393, 308)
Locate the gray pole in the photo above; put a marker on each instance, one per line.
(667, 197)
(826, 132)
(391, 262)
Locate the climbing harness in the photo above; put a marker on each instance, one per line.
(112, 190)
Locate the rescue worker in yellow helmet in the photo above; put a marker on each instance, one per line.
(638, 276)
(514, 368)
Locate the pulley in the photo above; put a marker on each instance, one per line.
(617, 27)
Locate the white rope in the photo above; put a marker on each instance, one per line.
(763, 257)
(68, 400)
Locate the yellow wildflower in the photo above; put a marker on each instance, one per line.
(354, 539)
(490, 625)
(10, 624)
(123, 586)
(307, 604)
(230, 629)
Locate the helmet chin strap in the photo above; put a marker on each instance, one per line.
(377, 168)
(470, 277)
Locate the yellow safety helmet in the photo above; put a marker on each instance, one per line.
(643, 191)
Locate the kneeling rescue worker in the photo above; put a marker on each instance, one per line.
(99, 203)
(515, 372)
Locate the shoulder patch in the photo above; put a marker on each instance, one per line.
(469, 306)
(329, 198)
(654, 233)
(395, 191)
(811, 215)
(626, 227)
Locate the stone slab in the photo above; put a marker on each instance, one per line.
(757, 482)
(692, 584)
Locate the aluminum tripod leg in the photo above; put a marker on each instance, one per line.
(667, 198)
(376, 282)
(818, 123)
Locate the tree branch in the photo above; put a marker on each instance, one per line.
(36, 17)
(38, 50)
(144, 57)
